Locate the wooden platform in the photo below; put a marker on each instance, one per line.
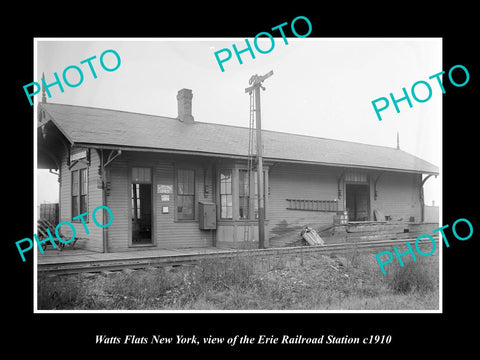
(75, 261)
(79, 256)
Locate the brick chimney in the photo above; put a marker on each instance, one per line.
(184, 99)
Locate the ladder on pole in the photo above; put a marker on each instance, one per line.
(246, 229)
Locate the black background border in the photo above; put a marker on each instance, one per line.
(412, 333)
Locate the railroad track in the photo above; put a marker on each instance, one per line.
(89, 265)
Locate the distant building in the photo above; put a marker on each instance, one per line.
(432, 213)
(177, 182)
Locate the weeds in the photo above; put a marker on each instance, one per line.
(412, 277)
(65, 292)
(304, 281)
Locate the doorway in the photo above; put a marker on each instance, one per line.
(141, 206)
(357, 201)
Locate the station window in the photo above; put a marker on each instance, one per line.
(241, 203)
(244, 194)
(185, 194)
(80, 192)
(226, 196)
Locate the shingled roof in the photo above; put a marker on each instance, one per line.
(118, 129)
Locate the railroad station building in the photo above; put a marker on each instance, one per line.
(178, 182)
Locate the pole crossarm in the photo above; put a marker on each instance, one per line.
(256, 81)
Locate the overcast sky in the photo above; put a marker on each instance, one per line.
(320, 87)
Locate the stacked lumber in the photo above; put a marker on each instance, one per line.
(369, 231)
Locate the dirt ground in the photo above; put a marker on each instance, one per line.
(348, 281)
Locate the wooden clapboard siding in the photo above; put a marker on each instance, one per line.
(289, 181)
(172, 233)
(93, 240)
(118, 202)
(398, 196)
(239, 234)
(65, 204)
(167, 231)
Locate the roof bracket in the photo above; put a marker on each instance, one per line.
(80, 161)
(112, 156)
(422, 198)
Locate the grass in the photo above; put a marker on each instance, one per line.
(412, 277)
(350, 281)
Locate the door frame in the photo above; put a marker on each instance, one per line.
(153, 205)
(367, 186)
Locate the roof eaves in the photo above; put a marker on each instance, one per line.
(158, 150)
(354, 166)
(244, 157)
(57, 125)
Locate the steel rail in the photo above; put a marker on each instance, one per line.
(83, 266)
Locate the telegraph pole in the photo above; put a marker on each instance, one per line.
(256, 83)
